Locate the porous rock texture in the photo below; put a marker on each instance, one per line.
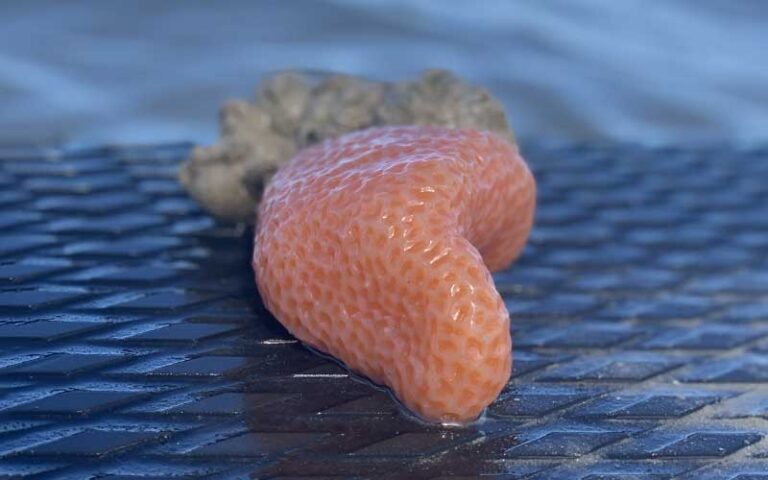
(294, 109)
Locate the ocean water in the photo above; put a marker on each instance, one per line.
(648, 71)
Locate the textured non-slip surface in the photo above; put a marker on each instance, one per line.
(132, 343)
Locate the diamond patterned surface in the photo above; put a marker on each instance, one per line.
(133, 344)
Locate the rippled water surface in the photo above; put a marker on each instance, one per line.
(145, 71)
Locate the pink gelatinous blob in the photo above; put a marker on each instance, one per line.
(376, 247)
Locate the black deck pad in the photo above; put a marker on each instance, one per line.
(133, 344)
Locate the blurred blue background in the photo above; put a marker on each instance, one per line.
(654, 71)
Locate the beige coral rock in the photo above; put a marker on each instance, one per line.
(295, 109)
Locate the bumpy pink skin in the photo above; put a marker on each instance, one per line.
(376, 248)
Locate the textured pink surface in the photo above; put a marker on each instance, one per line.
(376, 248)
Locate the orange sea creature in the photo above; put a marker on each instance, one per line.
(376, 247)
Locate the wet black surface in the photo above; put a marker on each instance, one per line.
(133, 345)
